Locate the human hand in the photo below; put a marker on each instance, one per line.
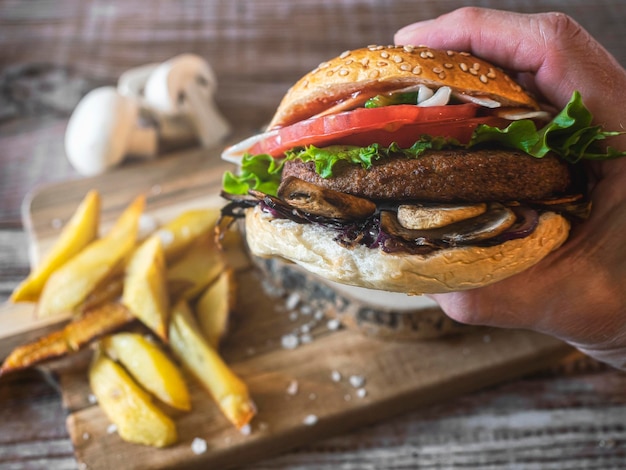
(577, 293)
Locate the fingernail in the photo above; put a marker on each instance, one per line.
(408, 34)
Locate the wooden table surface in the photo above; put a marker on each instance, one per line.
(53, 52)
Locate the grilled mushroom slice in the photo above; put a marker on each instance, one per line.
(421, 216)
(315, 200)
(496, 220)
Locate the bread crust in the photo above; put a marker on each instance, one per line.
(379, 69)
(461, 268)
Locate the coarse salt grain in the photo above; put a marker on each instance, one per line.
(147, 225)
(333, 324)
(166, 236)
(91, 398)
(335, 376)
(361, 393)
(292, 300)
(310, 420)
(292, 388)
(246, 430)
(112, 428)
(357, 381)
(199, 446)
(289, 341)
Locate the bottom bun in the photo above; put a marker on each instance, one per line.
(447, 270)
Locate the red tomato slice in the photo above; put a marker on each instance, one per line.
(403, 124)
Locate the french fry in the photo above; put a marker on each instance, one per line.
(128, 406)
(148, 364)
(70, 285)
(198, 267)
(78, 232)
(73, 337)
(145, 287)
(178, 234)
(227, 389)
(214, 306)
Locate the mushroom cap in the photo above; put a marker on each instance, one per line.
(98, 131)
(167, 85)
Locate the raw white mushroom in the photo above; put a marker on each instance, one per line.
(173, 128)
(186, 84)
(103, 129)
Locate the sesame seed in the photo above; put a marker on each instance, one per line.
(343, 72)
(397, 59)
(484, 79)
(365, 61)
(382, 63)
(323, 65)
(437, 69)
(405, 67)
(424, 54)
(344, 54)
(349, 61)
(374, 73)
(466, 54)
(384, 54)
(463, 66)
(448, 65)
(473, 71)
(442, 75)
(450, 53)
(416, 70)
(476, 66)
(408, 48)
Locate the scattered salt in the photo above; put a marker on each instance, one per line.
(289, 341)
(86, 436)
(166, 236)
(306, 310)
(91, 398)
(246, 430)
(335, 376)
(292, 388)
(361, 393)
(306, 339)
(112, 428)
(310, 420)
(147, 225)
(357, 381)
(292, 301)
(333, 324)
(199, 446)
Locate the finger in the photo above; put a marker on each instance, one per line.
(551, 48)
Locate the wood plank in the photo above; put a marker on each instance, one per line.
(399, 376)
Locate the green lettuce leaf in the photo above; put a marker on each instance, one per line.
(570, 135)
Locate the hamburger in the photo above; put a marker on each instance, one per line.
(413, 170)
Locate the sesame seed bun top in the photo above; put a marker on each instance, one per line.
(379, 69)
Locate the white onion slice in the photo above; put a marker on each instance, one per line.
(440, 98)
(234, 153)
(479, 100)
(424, 93)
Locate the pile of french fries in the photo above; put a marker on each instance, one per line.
(175, 282)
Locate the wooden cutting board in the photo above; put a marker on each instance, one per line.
(293, 387)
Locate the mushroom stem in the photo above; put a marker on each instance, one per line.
(207, 121)
(142, 142)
